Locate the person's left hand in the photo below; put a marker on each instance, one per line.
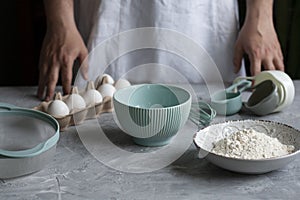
(260, 43)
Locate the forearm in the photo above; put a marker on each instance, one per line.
(258, 38)
(59, 13)
(259, 12)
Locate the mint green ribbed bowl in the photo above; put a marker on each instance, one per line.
(152, 113)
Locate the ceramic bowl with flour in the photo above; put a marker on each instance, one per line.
(248, 146)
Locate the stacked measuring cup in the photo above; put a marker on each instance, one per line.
(272, 91)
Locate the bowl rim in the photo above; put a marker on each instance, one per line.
(188, 101)
(248, 160)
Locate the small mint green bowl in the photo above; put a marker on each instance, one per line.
(152, 113)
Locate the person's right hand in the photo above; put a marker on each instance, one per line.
(61, 47)
(258, 39)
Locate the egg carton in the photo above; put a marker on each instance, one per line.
(76, 117)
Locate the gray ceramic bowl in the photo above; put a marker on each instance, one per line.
(205, 138)
(151, 113)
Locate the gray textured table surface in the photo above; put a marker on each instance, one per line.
(75, 174)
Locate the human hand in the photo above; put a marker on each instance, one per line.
(258, 39)
(61, 47)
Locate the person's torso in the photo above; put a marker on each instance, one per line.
(212, 24)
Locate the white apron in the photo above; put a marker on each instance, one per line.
(212, 24)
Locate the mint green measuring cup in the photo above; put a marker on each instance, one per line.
(229, 102)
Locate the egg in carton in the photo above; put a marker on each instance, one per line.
(76, 107)
(96, 102)
(58, 109)
(107, 79)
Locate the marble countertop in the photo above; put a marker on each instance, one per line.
(75, 173)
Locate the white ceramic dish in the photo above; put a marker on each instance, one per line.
(205, 138)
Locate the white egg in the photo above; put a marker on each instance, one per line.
(107, 90)
(58, 108)
(92, 97)
(100, 80)
(75, 102)
(122, 83)
(109, 79)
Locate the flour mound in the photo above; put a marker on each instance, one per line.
(252, 145)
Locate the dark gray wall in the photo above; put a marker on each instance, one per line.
(22, 29)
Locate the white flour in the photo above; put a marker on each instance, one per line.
(250, 144)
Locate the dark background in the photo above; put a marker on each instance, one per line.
(22, 30)
(23, 27)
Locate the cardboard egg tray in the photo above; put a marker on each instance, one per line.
(89, 112)
(77, 117)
